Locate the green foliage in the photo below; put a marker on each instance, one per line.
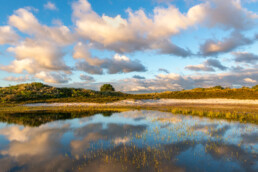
(107, 87)
(38, 92)
(38, 118)
(255, 87)
(218, 87)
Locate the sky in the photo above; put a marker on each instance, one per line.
(137, 46)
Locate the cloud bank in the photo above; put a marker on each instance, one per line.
(54, 54)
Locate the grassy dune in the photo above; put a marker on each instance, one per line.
(38, 92)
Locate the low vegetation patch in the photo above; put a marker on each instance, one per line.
(38, 92)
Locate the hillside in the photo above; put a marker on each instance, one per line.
(38, 92)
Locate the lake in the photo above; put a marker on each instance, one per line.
(126, 141)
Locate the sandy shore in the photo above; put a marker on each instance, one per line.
(154, 102)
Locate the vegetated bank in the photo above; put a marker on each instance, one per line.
(37, 115)
(11, 98)
(38, 92)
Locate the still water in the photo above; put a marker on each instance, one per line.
(127, 141)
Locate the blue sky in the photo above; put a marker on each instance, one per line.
(138, 46)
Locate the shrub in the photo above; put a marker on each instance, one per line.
(107, 87)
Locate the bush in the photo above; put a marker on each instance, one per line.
(107, 87)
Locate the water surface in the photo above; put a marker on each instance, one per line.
(127, 141)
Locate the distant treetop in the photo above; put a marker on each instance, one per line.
(219, 87)
(107, 87)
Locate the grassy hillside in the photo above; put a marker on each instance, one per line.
(38, 92)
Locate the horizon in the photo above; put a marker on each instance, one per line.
(146, 92)
(146, 46)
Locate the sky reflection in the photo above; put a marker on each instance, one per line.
(129, 141)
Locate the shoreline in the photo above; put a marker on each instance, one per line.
(152, 102)
(245, 111)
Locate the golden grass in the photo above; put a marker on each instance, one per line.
(242, 113)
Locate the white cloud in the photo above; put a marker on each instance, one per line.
(215, 47)
(249, 80)
(34, 56)
(208, 65)
(143, 31)
(166, 82)
(17, 79)
(27, 23)
(41, 49)
(55, 78)
(50, 6)
(229, 14)
(200, 67)
(19, 66)
(95, 65)
(8, 35)
(138, 32)
(42, 53)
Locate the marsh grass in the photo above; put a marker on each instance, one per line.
(243, 113)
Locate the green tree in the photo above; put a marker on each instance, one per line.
(218, 87)
(107, 87)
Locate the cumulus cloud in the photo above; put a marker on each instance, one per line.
(41, 54)
(215, 47)
(138, 32)
(35, 56)
(8, 35)
(55, 78)
(17, 79)
(40, 50)
(84, 66)
(245, 57)
(50, 6)
(249, 80)
(165, 82)
(95, 65)
(113, 66)
(18, 66)
(27, 23)
(141, 31)
(229, 14)
(208, 65)
(173, 81)
(122, 64)
(200, 67)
